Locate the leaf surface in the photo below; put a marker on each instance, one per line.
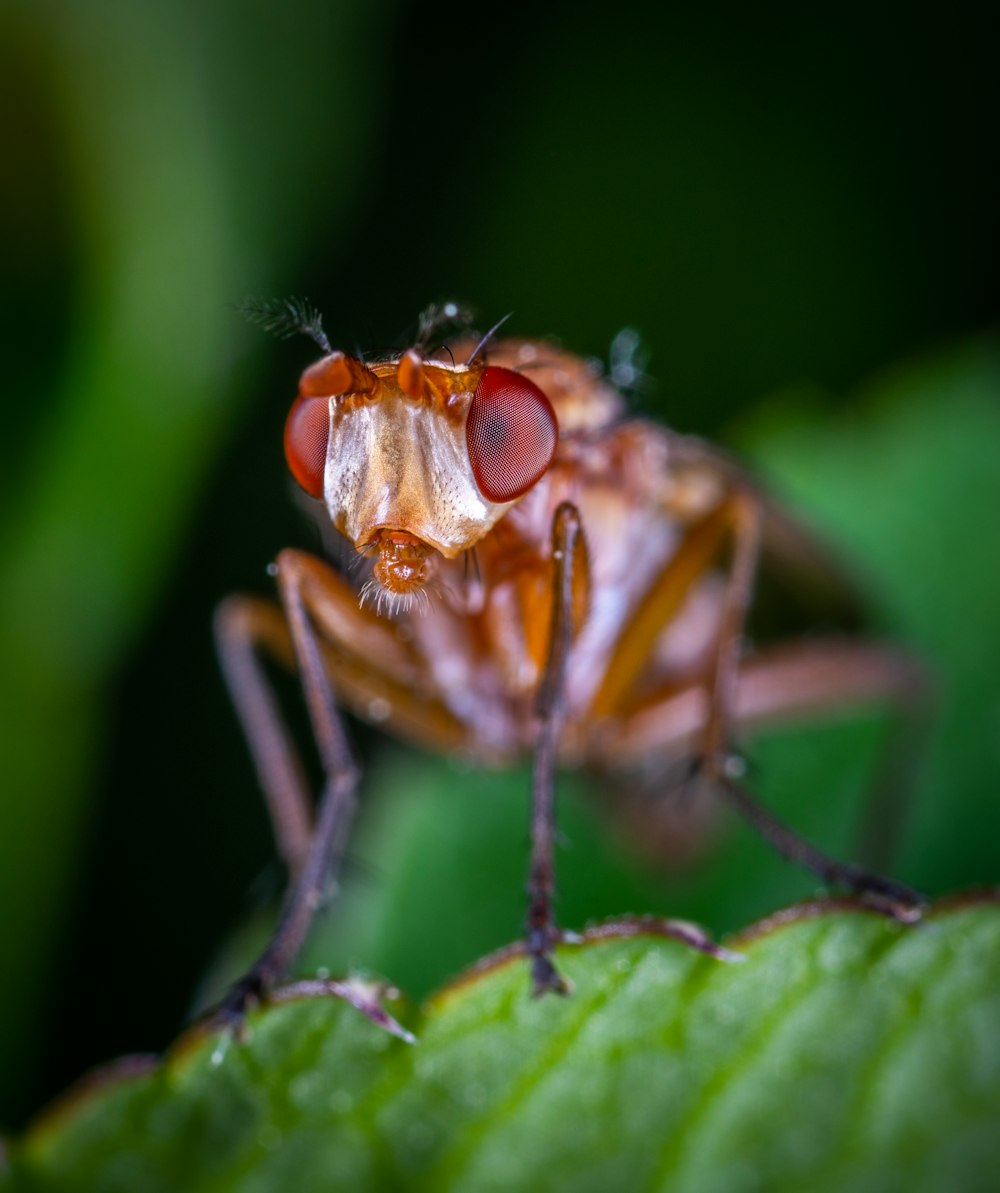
(846, 1052)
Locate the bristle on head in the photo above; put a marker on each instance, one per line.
(441, 319)
(286, 317)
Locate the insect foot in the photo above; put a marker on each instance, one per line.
(231, 1013)
(248, 993)
(545, 978)
(542, 938)
(890, 898)
(364, 996)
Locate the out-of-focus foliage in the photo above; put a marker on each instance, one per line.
(804, 1067)
(769, 200)
(154, 143)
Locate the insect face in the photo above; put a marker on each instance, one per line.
(415, 459)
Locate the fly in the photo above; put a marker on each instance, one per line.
(548, 577)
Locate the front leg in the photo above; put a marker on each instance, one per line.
(568, 597)
(314, 863)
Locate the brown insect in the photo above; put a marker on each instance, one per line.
(543, 575)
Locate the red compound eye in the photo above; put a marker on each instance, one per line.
(511, 434)
(306, 432)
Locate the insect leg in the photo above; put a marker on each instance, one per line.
(569, 571)
(245, 627)
(735, 522)
(336, 804)
(697, 554)
(373, 672)
(792, 679)
(887, 893)
(716, 761)
(745, 532)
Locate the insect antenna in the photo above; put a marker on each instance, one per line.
(438, 318)
(489, 336)
(286, 317)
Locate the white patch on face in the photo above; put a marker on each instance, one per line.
(402, 465)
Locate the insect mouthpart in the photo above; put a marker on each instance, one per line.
(404, 564)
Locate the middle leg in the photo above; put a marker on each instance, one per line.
(569, 578)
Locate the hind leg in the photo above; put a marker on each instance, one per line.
(784, 682)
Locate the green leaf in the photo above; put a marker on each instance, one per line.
(846, 1052)
(906, 489)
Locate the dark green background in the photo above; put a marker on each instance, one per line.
(779, 202)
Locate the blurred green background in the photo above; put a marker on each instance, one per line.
(785, 205)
